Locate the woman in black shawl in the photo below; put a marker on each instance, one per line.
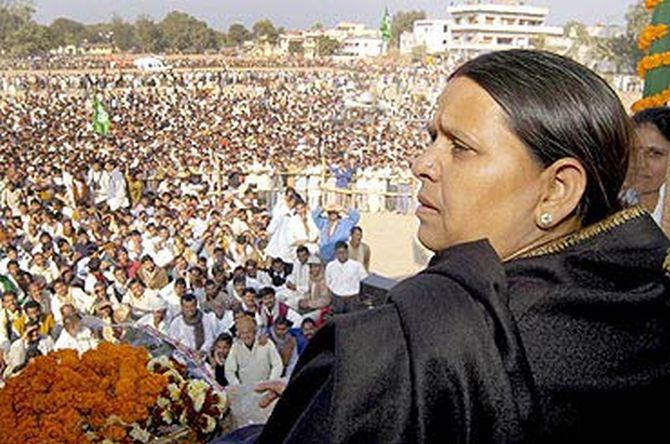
(543, 316)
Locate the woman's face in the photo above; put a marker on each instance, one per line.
(478, 180)
(652, 159)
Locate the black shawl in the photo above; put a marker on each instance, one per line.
(571, 342)
(441, 362)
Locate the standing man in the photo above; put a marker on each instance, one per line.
(359, 250)
(97, 180)
(343, 174)
(334, 228)
(343, 278)
(117, 190)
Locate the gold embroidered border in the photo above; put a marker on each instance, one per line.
(565, 242)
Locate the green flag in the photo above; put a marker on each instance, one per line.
(100, 118)
(385, 27)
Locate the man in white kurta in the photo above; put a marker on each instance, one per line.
(184, 328)
(74, 336)
(249, 361)
(97, 180)
(301, 230)
(117, 193)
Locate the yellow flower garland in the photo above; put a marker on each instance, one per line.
(653, 101)
(650, 34)
(652, 62)
(651, 4)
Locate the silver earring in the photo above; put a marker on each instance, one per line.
(546, 219)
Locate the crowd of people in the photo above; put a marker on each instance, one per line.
(221, 212)
(81, 62)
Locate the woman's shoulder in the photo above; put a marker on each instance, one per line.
(471, 273)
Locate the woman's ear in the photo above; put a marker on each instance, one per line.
(564, 184)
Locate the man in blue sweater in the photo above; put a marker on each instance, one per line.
(335, 225)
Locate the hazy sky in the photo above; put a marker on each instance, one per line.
(302, 13)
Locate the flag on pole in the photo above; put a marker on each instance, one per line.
(100, 118)
(385, 27)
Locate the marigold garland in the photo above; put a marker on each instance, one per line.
(652, 62)
(653, 101)
(66, 399)
(651, 4)
(650, 34)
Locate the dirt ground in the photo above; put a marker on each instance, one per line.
(392, 239)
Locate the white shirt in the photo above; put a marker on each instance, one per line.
(185, 334)
(49, 271)
(657, 215)
(261, 363)
(82, 302)
(82, 342)
(224, 324)
(299, 230)
(17, 353)
(168, 294)
(143, 305)
(148, 320)
(344, 279)
(261, 280)
(300, 276)
(273, 314)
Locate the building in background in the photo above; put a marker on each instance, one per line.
(356, 41)
(361, 47)
(474, 27)
(432, 36)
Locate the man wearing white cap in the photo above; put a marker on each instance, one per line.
(157, 319)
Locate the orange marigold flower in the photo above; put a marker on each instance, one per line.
(651, 4)
(68, 396)
(650, 34)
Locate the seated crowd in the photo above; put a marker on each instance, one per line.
(247, 307)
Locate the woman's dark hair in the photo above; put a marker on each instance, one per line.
(659, 117)
(559, 108)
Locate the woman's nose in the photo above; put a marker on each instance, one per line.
(424, 167)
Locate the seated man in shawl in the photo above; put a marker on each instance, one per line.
(194, 328)
(251, 360)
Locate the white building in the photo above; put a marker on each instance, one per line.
(303, 43)
(356, 41)
(474, 27)
(433, 35)
(361, 47)
(480, 26)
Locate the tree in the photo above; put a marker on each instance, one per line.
(623, 48)
(402, 22)
(123, 34)
(185, 33)
(327, 46)
(149, 35)
(317, 27)
(238, 34)
(265, 28)
(30, 39)
(99, 33)
(66, 31)
(14, 15)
